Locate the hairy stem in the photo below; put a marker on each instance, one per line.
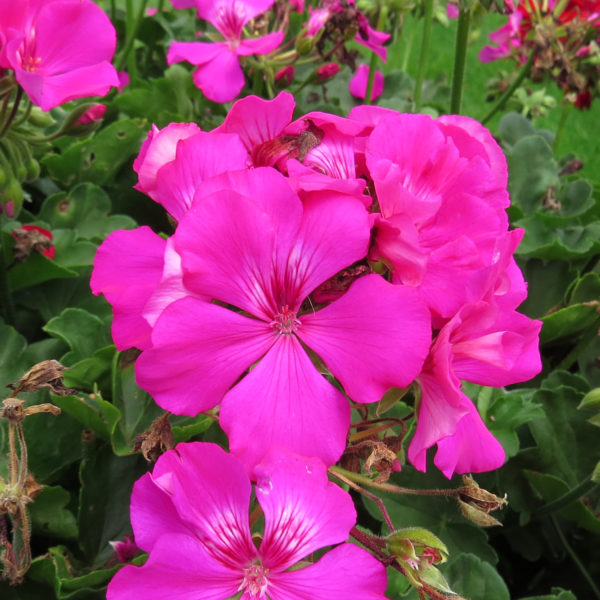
(460, 60)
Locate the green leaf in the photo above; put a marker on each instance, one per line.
(36, 269)
(85, 210)
(543, 240)
(575, 199)
(81, 330)
(514, 126)
(106, 482)
(507, 412)
(586, 289)
(476, 579)
(591, 400)
(54, 569)
(50, 517)
(550, 488)
(532, 171)
(564, 437)
(97, 159)
(569, 322)
(72, 253)
(91, 411)
(137, 407)
(557, 594)
(91, 372)
(12, 346)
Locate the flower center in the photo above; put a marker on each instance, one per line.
(255, 581)
(285, 321)
(31, 63)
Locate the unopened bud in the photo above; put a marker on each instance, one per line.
(92, 114)
(72, 125)
(327, 71)
(305, 45)
(39, 118)
(285, 76)
(417, 550)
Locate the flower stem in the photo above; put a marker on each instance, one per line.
(133, 23)
(7, 307)
(510, 90)
(388, 487)
(562, 501)
(460, 59)
(378, 501)
(575, 558)
(564, 116)
(427, 22)
(381, 20)
(13, 112)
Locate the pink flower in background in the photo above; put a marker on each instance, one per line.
(285, 76)
(358, 83)
(250, 243)
(219, 74)
(60, 50)
(507, 38)
(191, 515)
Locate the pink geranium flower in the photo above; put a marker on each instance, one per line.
(359, 81)
(191, 516)
(219, 74)
(484, 345)
(60, 50)
(249, 242)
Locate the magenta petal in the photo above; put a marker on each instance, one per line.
(153, 513)
(334, 234)
(439, 414)
(218, 75)
(229, 15)
(230, 242)
(198, 351)
(375, 336)
(201, 470)
(344, 573)
(198, 158)
(359, 81)
(49, 91)
(257, 121)
(127, 269)
(284, 401)
(158, 149)
(322, 514)
(260, 45)
(179, 568)
(472, 448)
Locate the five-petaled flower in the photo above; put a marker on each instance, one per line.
(191, 516)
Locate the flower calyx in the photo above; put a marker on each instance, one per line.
(476, 503)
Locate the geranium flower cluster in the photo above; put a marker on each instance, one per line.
(241, 31)
(311, 261)
(58, 50)
(562, 38)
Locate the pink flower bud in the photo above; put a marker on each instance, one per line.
(91, 115)
(285, 76)
(327, 71)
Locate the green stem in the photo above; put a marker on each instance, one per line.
(7, 306)
(133, 23)
(388, 487)
(510, 90)
(577, 492)
(460, 60)
(381, 20)
(575, 558)
(564, 115)
(13, 112)
(427, 22)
